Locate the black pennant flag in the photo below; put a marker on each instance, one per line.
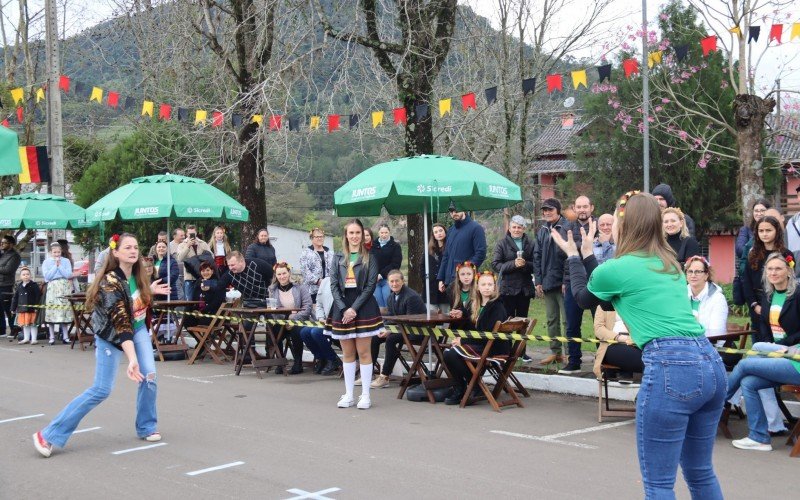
(353, 121)
(236, 120)
(130, 103)
(604, 72)
(528, 86)
(294, 123)
(421, 110)
(79, 88)
(183, 114)
(491, 95)
(681, 51)
(754, 32)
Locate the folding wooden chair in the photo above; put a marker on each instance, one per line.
(499, 367)
(210, 338)
(794, 434)
(604, 408)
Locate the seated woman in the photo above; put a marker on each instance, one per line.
(401, 300)
(481, 313)
(291, 296)
(757, 376)
(707, 298)
(209, 292)
(608, 325)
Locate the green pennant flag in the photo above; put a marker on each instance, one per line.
(9, 152)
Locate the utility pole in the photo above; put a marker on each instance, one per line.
(645, 102)
(55, 142)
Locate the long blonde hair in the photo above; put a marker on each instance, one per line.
(362, 249)
(212, 242)
(456, 285)
(139, 273)
(477, 298)
(640, 230)
(791, 285)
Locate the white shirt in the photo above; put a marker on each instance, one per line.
(713, 310)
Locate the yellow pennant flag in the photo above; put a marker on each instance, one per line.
(795, 31)
(200, 116)
(97, 95)
(736, 30)
(579, 78)
(377, 118)
(654, 58)
(25, 174)
(17, 95)
(147, 108)
(39, 94)
(257, 119)
(445, 105)
(314, 123)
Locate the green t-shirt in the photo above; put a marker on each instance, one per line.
(353, 257)
(776, 305)
(464, 297)
(518, 242)
(652, 304)
(139, 312)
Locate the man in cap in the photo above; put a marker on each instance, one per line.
(548, 270)
(466, 240)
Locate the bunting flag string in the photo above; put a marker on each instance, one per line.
(400, 115)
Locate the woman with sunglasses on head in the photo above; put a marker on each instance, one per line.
(683, 385)
(119, 299)
(291, 296)
(756, 377)
(354, 316)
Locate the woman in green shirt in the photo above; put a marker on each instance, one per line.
(683, 386)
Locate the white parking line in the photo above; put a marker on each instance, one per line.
(190, 379)
(121, 452)
(87, 430)
(554, 438)
(212, 469)
(21, 418)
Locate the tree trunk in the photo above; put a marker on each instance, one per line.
(251, 187)
(750, 111)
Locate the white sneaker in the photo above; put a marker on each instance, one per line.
(23, 342)
(749, 444)
(34, 342)
(346, 401)
(364, 402)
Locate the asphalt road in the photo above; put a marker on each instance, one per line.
(283, 437)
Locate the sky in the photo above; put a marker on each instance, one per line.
(776, 61)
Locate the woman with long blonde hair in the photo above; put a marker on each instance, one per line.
(684, 384)
(118, 300)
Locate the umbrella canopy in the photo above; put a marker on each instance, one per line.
(167, 196)
(9, 152)
(401, 185)
(41, 211)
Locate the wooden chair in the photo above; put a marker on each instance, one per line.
(604, 408)
(499, 367)
(794, 434)
(735, 337)
(210, 338)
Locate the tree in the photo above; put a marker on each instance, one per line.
(411, 52)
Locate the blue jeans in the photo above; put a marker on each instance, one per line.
(677, 412)
(107, 359)
(755, 374)
(382, 291)
(318, 343)
(188, 289)
(574, 315)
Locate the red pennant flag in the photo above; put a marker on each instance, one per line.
(275, 122)
(554, 82)
(630, 66)
(333, 123)
(164, 112)
(19, 114)
(400, 116)
(63, 83)
(709, 44)
(775, 33)
(467, 101)
(216, 119)
(113, 99)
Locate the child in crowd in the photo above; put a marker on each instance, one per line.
(462, 289)
(27, 294)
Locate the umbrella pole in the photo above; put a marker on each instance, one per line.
(169, 280)
(427, 273)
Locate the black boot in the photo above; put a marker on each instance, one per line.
(331, 367)
(297, 367)
(319, 365)
(279, 370)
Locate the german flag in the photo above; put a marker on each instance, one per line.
(35, 164)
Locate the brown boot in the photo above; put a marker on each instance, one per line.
(553, 358)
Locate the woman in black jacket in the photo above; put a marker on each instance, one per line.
(513, 262)
(768, 239)
(483, 312)
(389, 256)
(436, 244)
(677, 234)
(209, 291)
(262, 248)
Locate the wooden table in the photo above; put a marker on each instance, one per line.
(419, 373)
(246, 345)
(169, 306)
(81, 329)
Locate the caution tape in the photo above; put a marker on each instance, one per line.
(439, 333)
